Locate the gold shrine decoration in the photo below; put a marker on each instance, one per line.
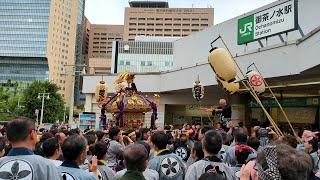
(101, 93)
(156, 99)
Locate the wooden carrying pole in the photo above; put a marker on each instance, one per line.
(280, 106)
(276, 128)
(253, 93)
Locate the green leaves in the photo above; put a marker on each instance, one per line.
(53, 107)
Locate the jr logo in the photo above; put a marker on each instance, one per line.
(247, 26)
(245, 29)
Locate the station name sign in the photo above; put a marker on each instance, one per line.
(275, 20)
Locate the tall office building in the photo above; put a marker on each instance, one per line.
(100, 47)
(78, 52)
(37, 38)
(155, 18)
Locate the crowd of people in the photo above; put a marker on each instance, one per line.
(191, 152)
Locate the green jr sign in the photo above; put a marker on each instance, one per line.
(245, 29)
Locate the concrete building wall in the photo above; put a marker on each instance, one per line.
(101, 37)
(99, 66)
(170, 22)
(85, 35)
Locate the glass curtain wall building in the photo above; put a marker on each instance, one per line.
(78, 52)
(140, 57)
(23, 40)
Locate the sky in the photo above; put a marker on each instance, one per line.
(112, 11)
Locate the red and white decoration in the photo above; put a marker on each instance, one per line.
(256, 81)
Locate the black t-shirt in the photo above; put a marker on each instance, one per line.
(226, 112)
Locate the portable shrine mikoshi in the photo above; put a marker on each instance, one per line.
(128, 106)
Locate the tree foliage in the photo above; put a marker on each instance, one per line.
(6, 102)
(53, 107)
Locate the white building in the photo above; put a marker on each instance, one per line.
(290, 64)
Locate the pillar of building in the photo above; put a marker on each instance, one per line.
(88, 104)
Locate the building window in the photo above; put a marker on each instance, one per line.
(186, 19)
(143, 63)
(150, 19)
(177, 25)
(205, 19)
(177, 19)
(150, 24)
(158, 29)
(195, 24)
(168, 63)
(121, 63)
(185, 24)
(177, 30)
(142, 19)
(127, 63)
(206, 25)
(149, 63)
(133, 19)
(159, 19)
(132, 29)
(132, 24)
(195, 19)
(167, 30)
(168, 19)
(141, 24)
(168, 24)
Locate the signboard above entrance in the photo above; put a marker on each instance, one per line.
(275, 20)
(290, 102)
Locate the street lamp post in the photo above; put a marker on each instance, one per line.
(42, 95)
(73, 71)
